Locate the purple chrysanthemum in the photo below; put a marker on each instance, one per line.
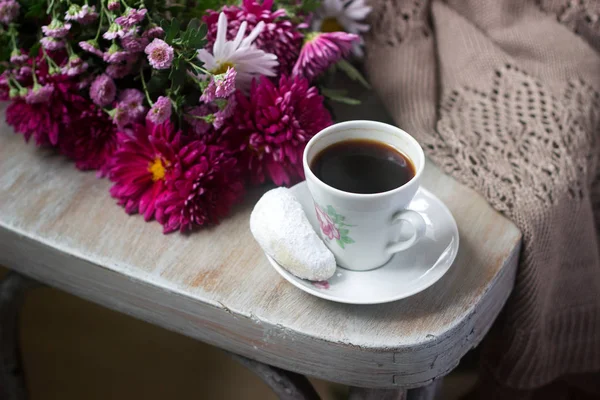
(321, 51)
(118, 71)
(131, 17)
(91, 46)
(87, 15)
(154, 33)
(193, 116)
(103, 90)
(280, 36)
(114, 5)
(130, 108)
(114, 31)
(56, 29)
(75, 66)
(50, 43)
(17, 57)
(115, 55)
(9, 10)
(220, 86)
(134, 43)
(160, 54)
(160, 111)
(39, 94)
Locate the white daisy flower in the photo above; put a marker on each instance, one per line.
(239, 53)
(343, 15)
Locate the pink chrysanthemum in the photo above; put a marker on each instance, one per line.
(52, 44)
(46, 121)
(225, 112)
(9, 10)
(220, 86)
(57, 29)
(160, 54)
(39, 94)
(321, 51)
(91, 139)
(160, 111)
(204, 194)
(280, 36)
(91, 46)
(142, 165)
(103, 90)
(273, 125)
(131, 17)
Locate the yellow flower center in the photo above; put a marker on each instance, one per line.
(222, 68)
(331, 25)
(157, 168)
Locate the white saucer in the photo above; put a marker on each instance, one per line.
(407, 273)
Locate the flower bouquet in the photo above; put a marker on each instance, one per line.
(180, 105)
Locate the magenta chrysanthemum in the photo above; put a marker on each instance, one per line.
(204, 194)
(160, 54)
(160, 111)
(280, 36)
(131, 17)
(273, 125)
(141, 166)
(9, 10)
(91, 139)
(103, 90)
(46, 121)
(321, 51)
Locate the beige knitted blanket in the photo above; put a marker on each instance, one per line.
(503, 95)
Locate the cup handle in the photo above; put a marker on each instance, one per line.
(418, 224)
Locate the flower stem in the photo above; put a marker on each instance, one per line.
(146, 89)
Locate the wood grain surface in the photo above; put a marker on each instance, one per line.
(61, 227)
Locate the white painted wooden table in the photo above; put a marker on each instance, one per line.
(60, 227)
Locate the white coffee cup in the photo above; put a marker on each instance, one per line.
(365, 230)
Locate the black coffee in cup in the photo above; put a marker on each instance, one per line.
(362, 166)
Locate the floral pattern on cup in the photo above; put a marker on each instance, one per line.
(333, 226)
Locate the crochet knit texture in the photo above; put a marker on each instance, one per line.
(503, 96)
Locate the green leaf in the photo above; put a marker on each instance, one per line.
(347, 239)
(171, 29)
(33, 52)
(331, 211)
(340, 242)
(177, 74)
(353, 73)
(344, 232)
(339, 96)
(157, 83)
